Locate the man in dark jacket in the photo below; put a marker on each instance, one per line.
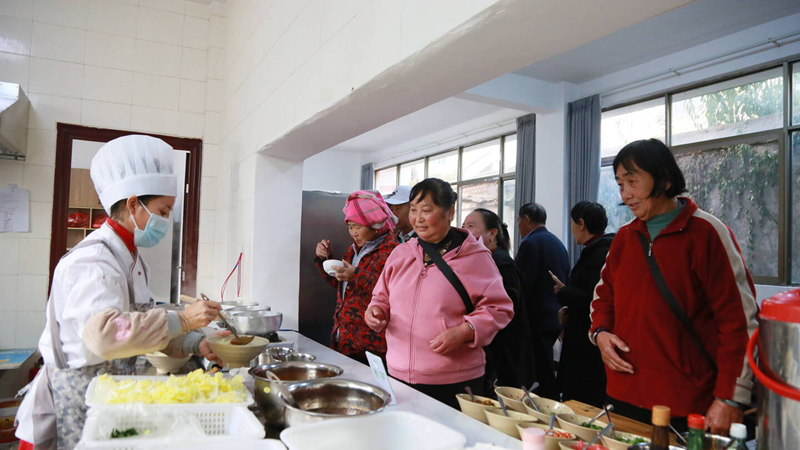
(581, 371)
(541, 253)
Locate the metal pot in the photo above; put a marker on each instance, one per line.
(241, 308)
(320, 400)
(274, 355)
(233, 304)
(256, 323)
(307, 357)
(289, 372)
(777, 370)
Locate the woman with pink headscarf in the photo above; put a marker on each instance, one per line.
(370, 222)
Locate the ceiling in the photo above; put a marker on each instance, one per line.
(428, 125)
(676, 30)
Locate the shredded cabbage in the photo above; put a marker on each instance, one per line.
(196, 387)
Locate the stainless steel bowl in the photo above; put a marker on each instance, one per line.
(274, 355)
(289, 372)
(234, 304)
(320, 400)
(254, 307)
(257, 323)
(713, 441)
(307, 357)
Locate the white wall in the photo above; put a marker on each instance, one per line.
(333, 171)
(130, 65)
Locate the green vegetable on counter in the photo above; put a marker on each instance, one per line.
(124, 433)
(592, 426)
(638, 440)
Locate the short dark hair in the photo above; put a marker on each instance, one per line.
(535, 212)
(118, 208)
(655, 158)
(441, 192)
(492, 222)
(593, 215)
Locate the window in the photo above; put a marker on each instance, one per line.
(444, 166)
(510, 207)
(739, 185)
(412, 173)
(386, 180)
(482, 160)
(622, 126)
(734, 107)
(731, 139)
(474, 172)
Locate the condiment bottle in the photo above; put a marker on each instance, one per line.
(739, 435)
(697, 432)
(660, 438)
(533, 439)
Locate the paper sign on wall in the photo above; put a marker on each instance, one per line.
(15, 210)
(381, 378)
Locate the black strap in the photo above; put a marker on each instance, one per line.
(666, 293)
(448, 273)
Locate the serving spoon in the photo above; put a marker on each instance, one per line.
(528, 394)
(284, 393)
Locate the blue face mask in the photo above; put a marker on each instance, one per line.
(153, 232)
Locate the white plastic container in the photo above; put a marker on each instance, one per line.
(396, 430)
(222, 426)
(92, 402)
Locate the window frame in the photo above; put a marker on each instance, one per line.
(782, 135)
(500, 177)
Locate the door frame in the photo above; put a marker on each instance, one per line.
(191, 206)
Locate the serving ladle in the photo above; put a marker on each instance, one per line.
(237, 340)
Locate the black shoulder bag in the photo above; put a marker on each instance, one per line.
(448, 273)
(666, 293)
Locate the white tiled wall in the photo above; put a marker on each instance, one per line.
(137, 65)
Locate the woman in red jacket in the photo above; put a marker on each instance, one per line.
(370, 223)
(652, 357)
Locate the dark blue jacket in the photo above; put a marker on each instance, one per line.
(539, 252)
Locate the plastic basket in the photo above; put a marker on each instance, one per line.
(229, 424)
(92, 403)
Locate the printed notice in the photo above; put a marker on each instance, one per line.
(381, 378)
(15, 210)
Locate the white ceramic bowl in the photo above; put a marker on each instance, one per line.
(507, 425)
(475, 410)
(166, 364)
(330, 264)
(614, 444)
(547, 407)
(572, 423)
(512, 397)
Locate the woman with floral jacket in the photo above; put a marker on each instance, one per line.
(370, 223)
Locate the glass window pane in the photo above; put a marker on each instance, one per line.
(474, 196)
(386, 180)
(608, 196)
(740, 106)
(412, 173)
(796, 94)
(509, 210)
(739, 185)
(510, 156)
(795, 186)
(622, 126)
(482, 160)
(444, 167)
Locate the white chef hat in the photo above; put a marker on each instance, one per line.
(133, 165)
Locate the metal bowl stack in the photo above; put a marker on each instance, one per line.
(255, 323)
(320, 400)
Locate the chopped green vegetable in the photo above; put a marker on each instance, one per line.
(592, 426)
(635, 441)
(124, 433)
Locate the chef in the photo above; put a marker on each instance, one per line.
(100, 314)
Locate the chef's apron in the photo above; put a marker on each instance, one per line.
(59, 403)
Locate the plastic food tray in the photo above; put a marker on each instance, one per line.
(396, 430)
(226, 425)
(92, 403)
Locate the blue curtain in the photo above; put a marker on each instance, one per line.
(367, 177)
(583, 154)
(525, 190)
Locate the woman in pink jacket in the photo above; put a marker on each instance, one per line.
(433, 343)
